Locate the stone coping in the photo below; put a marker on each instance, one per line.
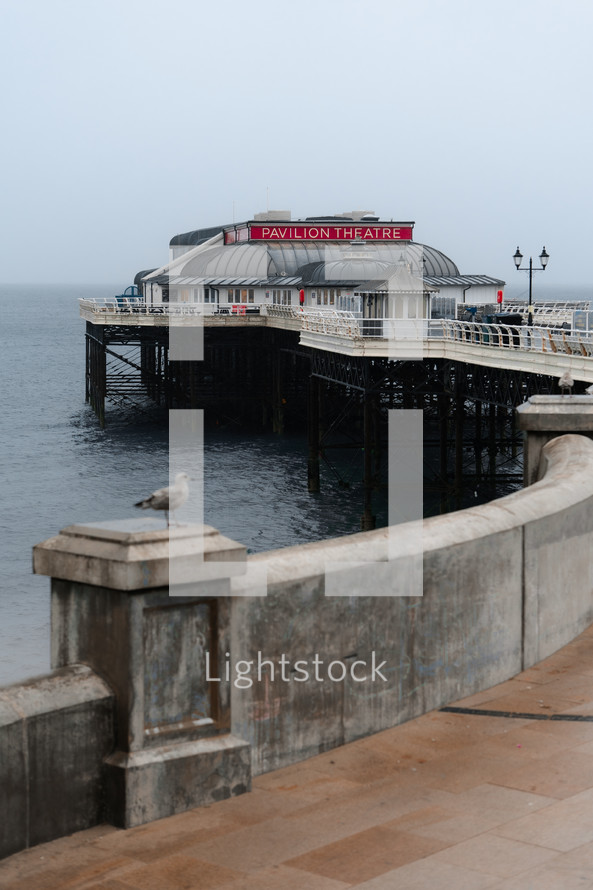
(560, 413)
(139, 554)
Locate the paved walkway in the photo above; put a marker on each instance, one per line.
(451, 801)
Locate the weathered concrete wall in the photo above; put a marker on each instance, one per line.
(505, 585)
(55, 732)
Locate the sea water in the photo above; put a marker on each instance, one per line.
(58, 467)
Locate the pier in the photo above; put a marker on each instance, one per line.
(279, 367)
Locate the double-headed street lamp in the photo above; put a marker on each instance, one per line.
(543, 258)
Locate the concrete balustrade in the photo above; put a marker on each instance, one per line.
(111, 610)
(504, 585)
(131, 700)
(55, 732)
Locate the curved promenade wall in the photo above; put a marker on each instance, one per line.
(505, 585)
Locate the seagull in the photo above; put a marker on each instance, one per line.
(566, 382)
(168, 499)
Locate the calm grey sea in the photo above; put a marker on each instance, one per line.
(58, 467)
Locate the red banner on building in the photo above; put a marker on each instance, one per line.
(347, 232)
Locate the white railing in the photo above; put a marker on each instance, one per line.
(278, 310)
(553, 313)
(343, 324)
(137, 306)
(494, 336)
(524, 337)
(334, 322)
(552, 305)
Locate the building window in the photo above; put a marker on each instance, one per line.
(332, 298)
(229, 296)
(251, 295)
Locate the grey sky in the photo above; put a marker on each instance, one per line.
(127, 122)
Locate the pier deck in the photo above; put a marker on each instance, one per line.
(545, 350)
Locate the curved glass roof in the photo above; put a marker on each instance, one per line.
(316, 261)
(233, 261)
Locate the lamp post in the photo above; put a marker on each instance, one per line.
(543, 258)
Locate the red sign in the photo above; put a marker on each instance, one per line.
(347, 232)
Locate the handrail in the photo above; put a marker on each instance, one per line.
(344, 324)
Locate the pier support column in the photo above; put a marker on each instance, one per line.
(443, 409)
(313, 479)
(459, 422)
(96, 371)
(478, 440)
(368, 521)
(492, 440)
(112, 610)
(87, 365)
(277, 403)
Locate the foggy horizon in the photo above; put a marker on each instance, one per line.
(131, 123)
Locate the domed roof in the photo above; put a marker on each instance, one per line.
(316, 261)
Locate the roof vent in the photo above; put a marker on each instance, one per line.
(273, 215)
(357, 214)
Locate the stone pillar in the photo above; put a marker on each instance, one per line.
(543, 418)
(111, 610)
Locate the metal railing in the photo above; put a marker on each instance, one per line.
(278, 310)
(556, 313)
(331, 322)
(124, 305)
(344, 324)
(532, 339)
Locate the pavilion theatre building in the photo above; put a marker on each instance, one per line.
(320, 262)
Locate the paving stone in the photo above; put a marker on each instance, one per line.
(445, 801)
(428, 874)
(366, 855)
(179, 873)
(495, 855)
(281, 877)
(563, 826)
